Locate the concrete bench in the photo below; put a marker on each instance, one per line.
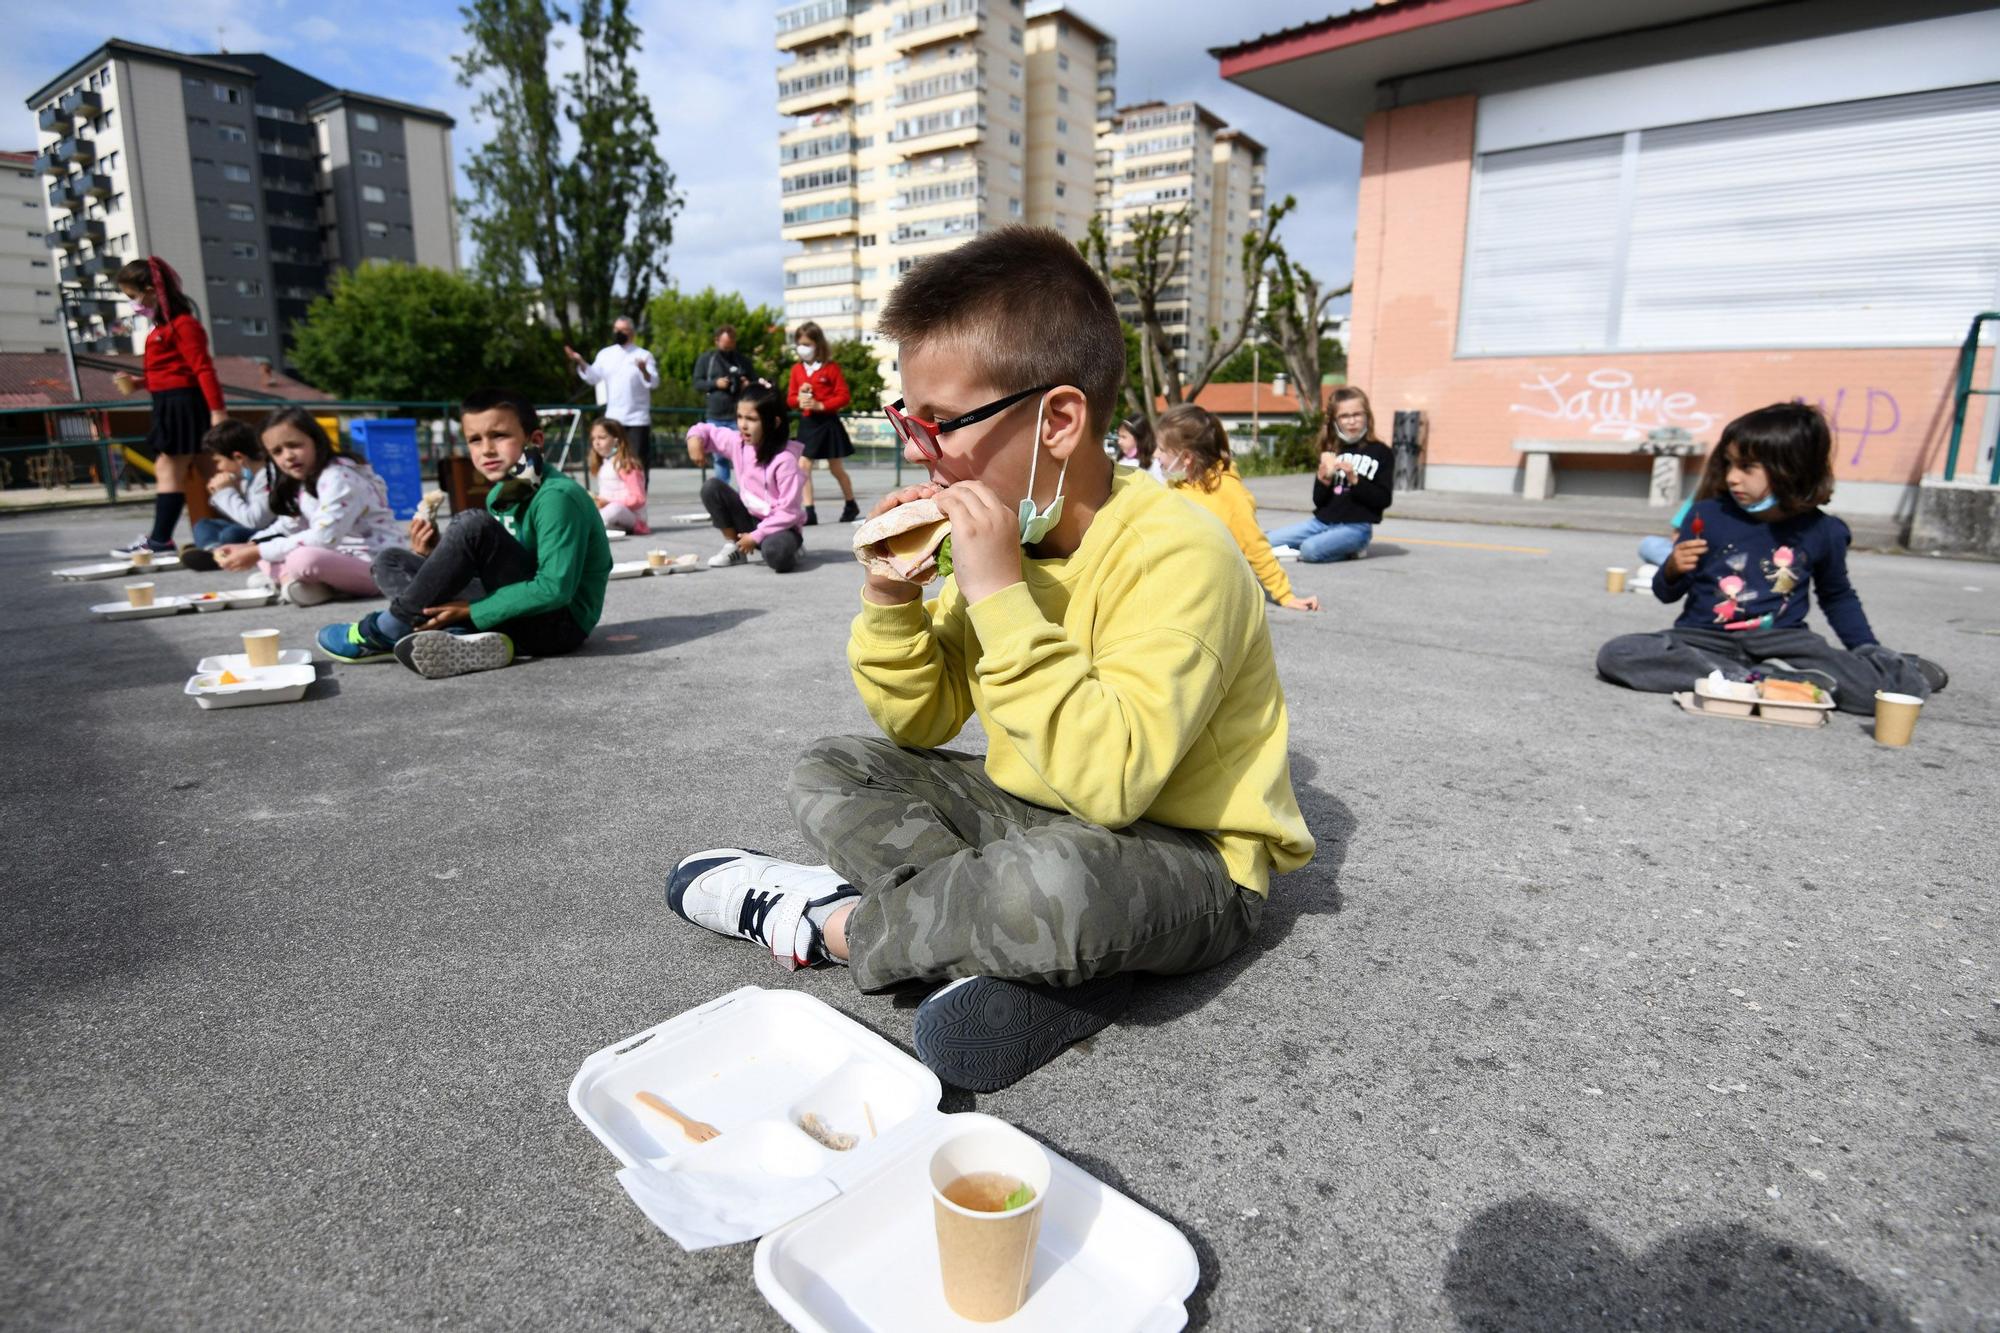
(1664, 491)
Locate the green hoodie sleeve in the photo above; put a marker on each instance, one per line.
(564, 519)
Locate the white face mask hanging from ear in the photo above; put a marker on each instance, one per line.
(1036, 526)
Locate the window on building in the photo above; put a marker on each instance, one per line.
(368, 157)
(1062, 126)
(242, 213)
(231, 134)
(1014, 170)
(1062, 191)
(1062, 158)
(1591, 245)
(1062, 92)
(224, 93)
(222, 321)
(1014, 207)
(374, 194)
(1014, 138)
(249, 287)
(397, 158)
(193, 84)
(378, 229)
(1014, 104)
(1062, 60)
(233, 172)
(243, 249)
(367, 120)
(1014, 35)
(1014, 70)
(256, 328)
(109, 162)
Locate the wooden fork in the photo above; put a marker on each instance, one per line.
(698, 1131)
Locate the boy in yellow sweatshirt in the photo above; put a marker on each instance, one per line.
(1135, 797)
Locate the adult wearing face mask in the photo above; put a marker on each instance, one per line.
(625, 376)
(1352, 489)
(726, 374)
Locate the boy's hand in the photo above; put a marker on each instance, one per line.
(1686, 556)
(222, 481)
(423, 535)
(236, 556)
(1302, 603)
(985, 539)
(451, 613)
(878, 588)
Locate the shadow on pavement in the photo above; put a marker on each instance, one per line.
(1315, 890)
(645, 636)
(1532, 1265)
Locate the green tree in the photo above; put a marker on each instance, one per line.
(679, 327)
(400, 333)
(1296, 318)
(588, 224)
(863, 373)
(1239, 368)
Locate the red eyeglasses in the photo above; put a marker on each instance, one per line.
(924, 434)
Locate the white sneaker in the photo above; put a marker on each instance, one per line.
(1285, 552)
(755, 556)
(732, 891)
(726, 557)
(259, 579)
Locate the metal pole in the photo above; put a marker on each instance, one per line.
(69, 346)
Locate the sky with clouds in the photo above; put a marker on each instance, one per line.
(708, 68)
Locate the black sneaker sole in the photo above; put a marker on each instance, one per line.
(989, 1034)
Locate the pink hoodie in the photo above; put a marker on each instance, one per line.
(773, 492)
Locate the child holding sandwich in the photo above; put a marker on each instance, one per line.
(537, 553)
(1135, 798)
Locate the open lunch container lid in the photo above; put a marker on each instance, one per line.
(862, 1255)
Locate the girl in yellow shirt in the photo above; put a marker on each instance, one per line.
(1195, 452)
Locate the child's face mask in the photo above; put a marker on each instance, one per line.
(1761, 505)
(1036, 526)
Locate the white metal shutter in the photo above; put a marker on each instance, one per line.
(1864, 224)
(1541, 250)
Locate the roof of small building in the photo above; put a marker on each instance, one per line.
(36, 379)
(1251, 398)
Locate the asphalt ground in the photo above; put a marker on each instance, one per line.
(1589, 1014)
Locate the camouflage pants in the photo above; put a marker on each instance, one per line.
(959, 878)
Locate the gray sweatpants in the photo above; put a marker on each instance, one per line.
(1674, 659)
(960, 879)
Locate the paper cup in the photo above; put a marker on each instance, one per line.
(987, 1259)
(656, 559)
(142, 559)
(139, 594)
(1895, 717)
(260, 646)
(1614, 579)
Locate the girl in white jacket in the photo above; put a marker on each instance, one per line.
(332, 517)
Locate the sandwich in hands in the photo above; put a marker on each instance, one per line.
(907, 543)
(427, 508)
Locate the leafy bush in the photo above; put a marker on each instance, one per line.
(1293, 446)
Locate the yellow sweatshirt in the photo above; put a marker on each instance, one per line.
(1133, 679)
(1232, 502)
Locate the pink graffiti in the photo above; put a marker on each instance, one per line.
(1878, 409)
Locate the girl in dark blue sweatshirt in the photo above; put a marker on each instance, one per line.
(1747, 552)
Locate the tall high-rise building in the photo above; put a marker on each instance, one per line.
(1163, 157)
(917, 123)
(252, 178)
(27, 274)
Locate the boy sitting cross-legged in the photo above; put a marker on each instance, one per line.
(1136, 794)
(536, 556)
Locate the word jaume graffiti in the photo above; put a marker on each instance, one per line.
(1612, 403)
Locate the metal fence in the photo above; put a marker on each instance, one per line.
(87, 453)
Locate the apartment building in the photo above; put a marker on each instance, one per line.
(27, 275)
(1162, 158)
(915, 124)
(253, 178)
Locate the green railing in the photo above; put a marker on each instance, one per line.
(35, 460)
(1968, 355)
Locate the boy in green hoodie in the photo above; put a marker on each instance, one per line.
(537, 553)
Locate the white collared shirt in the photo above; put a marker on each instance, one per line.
(625, 378)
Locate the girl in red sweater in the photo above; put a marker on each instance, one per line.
(187, 398)
(818, 391)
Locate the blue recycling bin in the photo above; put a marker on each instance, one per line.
(389, 446)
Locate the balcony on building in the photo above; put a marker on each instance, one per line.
(938, 21)
(75, 149)
(108, 344)
(101, 305)
(72, 234)
(937, 130)
(806, 222)
(55, 120)
(819, 21)
(98, 267)
(816, 85)
(82, 105)
(50, 161)
(822, 275)
(967, 79)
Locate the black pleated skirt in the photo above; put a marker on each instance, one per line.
(824, 435)
(180, 419)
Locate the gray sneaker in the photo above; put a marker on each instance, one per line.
(435, 654)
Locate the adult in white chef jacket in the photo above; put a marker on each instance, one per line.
(625, 377)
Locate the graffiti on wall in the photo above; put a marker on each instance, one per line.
(1612, 403)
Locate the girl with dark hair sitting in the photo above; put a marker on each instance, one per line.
(1752, 547)
(180, 375)
(763, 517)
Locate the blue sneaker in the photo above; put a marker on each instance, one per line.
(144, 543)
(355, 642)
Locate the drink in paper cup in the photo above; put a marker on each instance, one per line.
(1614, 579)
(987, 1187)
(1895, 717)
(139, 594)
(142, 559)
(656, 559)
(260, 646)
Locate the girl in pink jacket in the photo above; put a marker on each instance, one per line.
(765, 521)
(621, 483)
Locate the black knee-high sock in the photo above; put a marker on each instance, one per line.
(167, 508)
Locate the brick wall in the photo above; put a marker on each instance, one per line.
(1891, 407)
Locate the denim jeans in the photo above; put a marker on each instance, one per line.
(1319, 543)
(210, 533)
(1655, 550)
(717, 464)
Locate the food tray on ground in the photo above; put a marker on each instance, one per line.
(168, 560)
(232, 599)
(1794, 712)
(162, 606)
(259, 685)
(1779, 715)
(1731, 698)
(680, 564)
(108, 569)
(630, 569)
(753, 1062)
(869, 1260)
(238, 663)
